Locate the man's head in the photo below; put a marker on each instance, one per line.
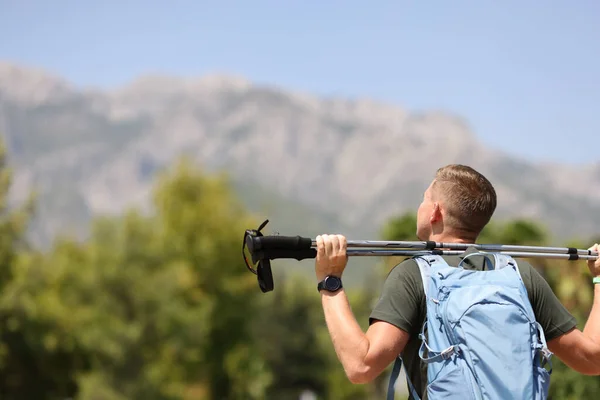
(458, 204)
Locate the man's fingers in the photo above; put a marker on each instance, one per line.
(335, 246)
(331, 255)
(320, 247)
(328, 245)
(343, 242)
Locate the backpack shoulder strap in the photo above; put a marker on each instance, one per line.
(391, 390)
(426, 262)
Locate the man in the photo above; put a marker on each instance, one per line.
(455, 208)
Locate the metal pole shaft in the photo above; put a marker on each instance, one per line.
(516, 254)
(463, 246)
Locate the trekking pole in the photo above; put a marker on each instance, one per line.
(427, 245)
(265, 248)
(516, 254)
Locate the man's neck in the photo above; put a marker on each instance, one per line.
(449, 239)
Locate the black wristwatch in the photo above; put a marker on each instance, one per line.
(330, 283)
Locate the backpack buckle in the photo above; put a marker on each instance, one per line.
(448, 352)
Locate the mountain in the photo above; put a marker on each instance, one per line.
(310, 164)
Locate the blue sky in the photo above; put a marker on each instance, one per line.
(510, 68)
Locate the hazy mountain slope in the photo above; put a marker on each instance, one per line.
(324, 162)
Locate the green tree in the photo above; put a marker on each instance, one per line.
(402, 227)
(24, 354)
(152, 306)
(200, 223)
(514, 232)
(285, 332)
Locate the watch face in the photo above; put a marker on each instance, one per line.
(332, 283)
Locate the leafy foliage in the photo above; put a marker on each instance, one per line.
(158, 305)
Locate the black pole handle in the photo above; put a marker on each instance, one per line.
(274, 254)
(267, 243)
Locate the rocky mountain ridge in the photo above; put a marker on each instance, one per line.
(347, 163)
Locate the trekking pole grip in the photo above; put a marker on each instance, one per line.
(299, 255)
(291, 243)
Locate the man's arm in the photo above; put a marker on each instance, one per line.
(363, 356)
(581, 350)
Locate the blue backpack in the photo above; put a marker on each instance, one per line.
(480, 339)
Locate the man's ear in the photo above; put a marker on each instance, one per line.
(436, 213)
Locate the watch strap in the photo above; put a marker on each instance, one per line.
(321, 286)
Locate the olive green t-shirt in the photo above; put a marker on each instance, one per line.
(402, 303)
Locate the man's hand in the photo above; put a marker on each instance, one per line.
(331, 256)
(594, 266)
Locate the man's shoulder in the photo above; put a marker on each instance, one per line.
(526, 270)
(406, 267)
(524, 265)
(406, 276)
